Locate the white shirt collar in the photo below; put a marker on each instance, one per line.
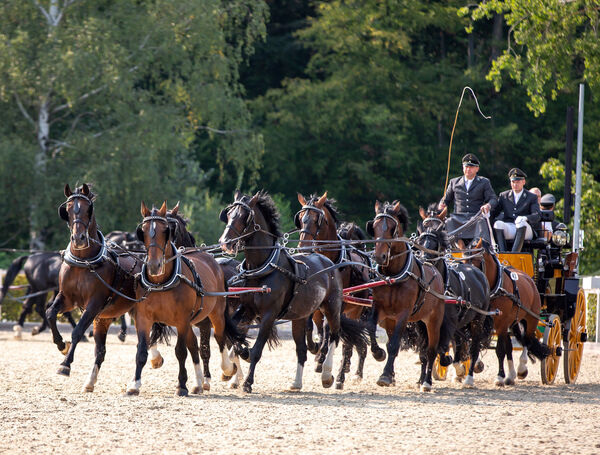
(517, 196)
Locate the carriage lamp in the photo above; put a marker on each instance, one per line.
(560, 237)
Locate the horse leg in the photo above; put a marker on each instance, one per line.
(324, 341)
(255, 353)
(123, 332)
(393, 346)
(141, 357)
(225, 332)
(91, 311)
(40, 308)
(512, 374)
(299, 334)
(433, 338)
(522, 368)
(51, 315)
(344, 366)
(476, 337)
(205, 326)
(459, 368)
(362, 356)
(191, 343)
(100, 330)
(500, 353)
(26, 309)
(310, 342)
(372, 317)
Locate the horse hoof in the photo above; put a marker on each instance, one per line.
(357, 379)
(479, 367)
(133, 392)
(88, 388)
(469, 383)
(206, 386)
(121, 336)
(35, 331)
(522, 374)
(247, 388)
(509, 381)
(181, 392)
(319, 368)
(66, 348)
(379, 354)
(295, 388)
(339, 385)
(157, 362)
(245, 354)
(425, 387)
(18, 336)
(225, 377)
(327, 382)
(347, 369)
(197, 390)
(499, 382)
(234, 385)
(65, 371)
(384, 381)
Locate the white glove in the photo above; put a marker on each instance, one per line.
(521, 221)
(486, 214)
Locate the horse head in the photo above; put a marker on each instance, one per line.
(317, 219)
(78, 212)
(390, 222)
(154, 231)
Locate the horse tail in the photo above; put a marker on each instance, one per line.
(353, 332)
(160, 333)
(11, 274)
(233, 335)
(533, 345)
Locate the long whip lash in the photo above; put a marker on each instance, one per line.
(454, 126)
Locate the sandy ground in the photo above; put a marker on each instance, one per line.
(42, 412)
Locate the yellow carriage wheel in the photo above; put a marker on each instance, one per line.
(574, 341)
(552, 338)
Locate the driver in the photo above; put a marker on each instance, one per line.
(470, 194)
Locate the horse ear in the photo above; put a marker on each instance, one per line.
(139, 233)
(223, 215)
(422, 213)
(85, 189)
(370, 229)
(145, 211)
(163, 209)
(254, 199)
(297, 220)
(68, 191)
(378, 206)
(237, 195)
(322, 200)
(301, 200)
(62, 212)
(175, 209)
(397, 207)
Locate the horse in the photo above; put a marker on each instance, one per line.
(318, 221)
(471, 322)
(91, 277)
(300, 284)
(415, 295)
(180, 289)
(516, 296)
(41, 272)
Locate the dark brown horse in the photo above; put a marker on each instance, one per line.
(88, 277)
(318, 221)
(515, 294)
(179, 289)
(298, 284)
(414, 296)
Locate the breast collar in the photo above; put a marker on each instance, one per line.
(74, 261)
(343, 251)
(404, 273)
(499, 279)
(172, 282)
(266, 269)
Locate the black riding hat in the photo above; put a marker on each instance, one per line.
(470, 160)
(516, 174)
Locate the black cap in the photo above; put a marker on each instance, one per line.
(547, 199)
(470, 160)
(516, 174)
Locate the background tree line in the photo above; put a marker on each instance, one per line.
(189, 100)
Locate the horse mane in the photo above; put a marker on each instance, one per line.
(187, 239)
(402, 213)
(329, 205)
(267, 206)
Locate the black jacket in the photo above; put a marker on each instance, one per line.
(527, 206)
(469, 202)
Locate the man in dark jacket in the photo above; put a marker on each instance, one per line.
(520, 211)
(470, 195)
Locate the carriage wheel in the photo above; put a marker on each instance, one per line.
(574, 341)
(552, 338)
(439, 372)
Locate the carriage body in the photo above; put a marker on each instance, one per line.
(562, 325)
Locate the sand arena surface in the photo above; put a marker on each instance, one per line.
(43, 413)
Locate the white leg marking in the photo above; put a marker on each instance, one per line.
(134, 387)
(425, 387)
(458, 372)
(199, 378)
(226, 363)
(499, 381)
(522, 362)
(297, 384)
(154, 352)
(512, 374)
(469, 382)
(18, 331)
(328, 363)
(237, 378)
(93, 377)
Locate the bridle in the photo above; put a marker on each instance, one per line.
(250, 221)
(62, 210)
(152, 234)
(385, 216)
(305, 219)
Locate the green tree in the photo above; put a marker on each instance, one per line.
(121, 94)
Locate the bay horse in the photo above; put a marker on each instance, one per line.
(318, 221)
(299, 284)
(41, 271)
(416, 294)
(180, 289)
(470, 324)
(515, 294)
(92, 278)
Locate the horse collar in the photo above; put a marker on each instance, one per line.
(266, 269)
(74, 261)
(404, 274)
(343, 251)
(499, 279)
(172, 282)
